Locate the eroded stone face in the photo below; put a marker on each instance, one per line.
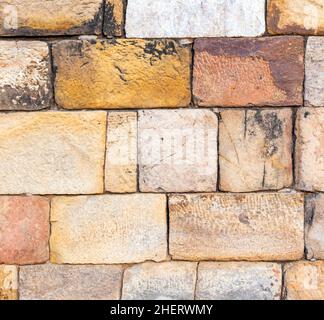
(296, 16)
(67, 282)
(121, 157)
(249, 72)
(238, 281)
(194, 18)
(55, 17)
(108, 229)
(314, 81)
(304, 281)
(52, 152)
(315, 226)
(24, 230)
(24, 75)
(310, 149)
(177, 150)
(123, 73)
(255, 150)
(261, 226)
(8, 282)
(160, 281)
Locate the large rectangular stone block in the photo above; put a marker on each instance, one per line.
(296, 16)
(54, 17)
(64, 282)
(25, 75)
(249, 72)
(108, 229)
(52, 152)
(194, 18)
(261, 226)
(122, 73)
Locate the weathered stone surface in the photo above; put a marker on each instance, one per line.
(64, 282)
(109, 229)
(296, 16)
(242, 72)
(310, 149)
(121, 157)
(194, 18)
(314, 82)
(52, 152)
(255, 150)
(24, 230)
(238, 281)
(8, 282)
(114, 18)
(160, 281)
(24, 75)
(122, 73)
(262, 226)
(55, 17)
(177, 150)
(315, 226)
(304, 280)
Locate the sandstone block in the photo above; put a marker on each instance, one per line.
(24, 230)
(123, 73)
(160, 281)
(55, 17)
(66, 282)
(177, 150)
(121, 157)
(249, 72)
(255, 150)
(296, 16)
(24, 75)
(304, 280)
(314, 82)
(310, 149)
(315, 226)
(114, 18)
(238, 281)
(261, 226)
(52, 152)
(8, 282)
(194, 18)
(108, 229)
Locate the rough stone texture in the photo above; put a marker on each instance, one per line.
(54, 17)
(114, 18)
(8, 282)
(310, 149)
(24, 75)
(262, 226)
(177, 150)
(121, 157)
(304, 280)
(52, 152)
(24, 230)
(160, 281)
(194, 18)
(122, 73)
(64, 282)
(314, 232)
(244, 72)
(109, 229)
(314, 82)
(238, 281)
(296, 16)
(255, 150)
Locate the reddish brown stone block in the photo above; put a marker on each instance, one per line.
(249, 72)
(24, 230)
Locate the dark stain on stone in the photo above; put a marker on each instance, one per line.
(243, 218)
(159, 48)
(306, 114)
(111, 26)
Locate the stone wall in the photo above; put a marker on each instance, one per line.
(154, 149)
